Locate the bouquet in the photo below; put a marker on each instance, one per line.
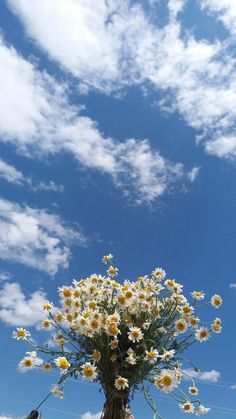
(124, 336)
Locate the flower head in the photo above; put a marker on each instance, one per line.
(62, 363)
(89, 371)
(20, 333)
(121, 383)
(216, 301)
(166, 380)
(187, 407)
(135, 334)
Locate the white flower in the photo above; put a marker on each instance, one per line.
(166, 380)
(89, 371)
(159, 274)
(20, 333)
(202, 410)
(198, 295)
(131, 358)
(62, 363)
(135, 334)
(107, 258)
(121, 383)
(216, 301)
(27, 363)
(167, 355)
(152, 355)
(187, 407)
(202, 334)
(56, 391)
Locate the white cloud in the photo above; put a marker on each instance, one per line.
(4, 276)
(193, 174)
(87, 25)
(224, 10)
(232, 285)
(18, 310)
(197, 77)
(211, 376)
(89, 415)
(40, 127)
(233, 386)
(47, 186)
(35, 237)
(10, 173)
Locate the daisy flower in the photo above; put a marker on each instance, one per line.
(107, 258)
(112, 271)
(198, 295)
(216, 301)
(193, 390)
(152, 355)
(202, 410)
(62, 363)
(56, 391)
(135, 334)
(20, 333)
(167, 355)
(47, 306)
(121, 383)
(27, 363)
(96, 355)
(181, 326)
(46, 324)
(202, 334)
(166, 380)
(89, 371)
(159, 274)
(187, 407)
(46, 367)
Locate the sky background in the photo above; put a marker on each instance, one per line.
(117, 134)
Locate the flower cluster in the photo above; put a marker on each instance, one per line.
(135, 330)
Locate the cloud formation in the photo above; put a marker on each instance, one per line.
(196, 76)
(211, 376)
(40, 127)
(10, 173)
(35, 237)
(18, 310)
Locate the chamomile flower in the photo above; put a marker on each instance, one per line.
(135, 334)
(121, 383)
(167, 355)
(202, 334)
(202, 410)
(96, 355)
(131, 358)
(216, 301)
(152, 355)
(47, 306)
(62, 363)
(57, 391)
(46, 324)
(20, 333)
(112, 271)
(46, 367)
(166, 380)
(27, 363)
(107, 258)
(159, 274)
(187, 407)
(193, 390)
(181, 326)
(89, 371)
(198, 295)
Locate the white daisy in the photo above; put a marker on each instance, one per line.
(187, 407)
(135, 334)
(166, 380)
(121, 383)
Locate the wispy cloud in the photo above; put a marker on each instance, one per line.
(35, 237)
(211, 376)
(18, 310)
(197, 77)
(10, 173)
(224, 10)
(40, 127)
(233, 285)
(5, 276)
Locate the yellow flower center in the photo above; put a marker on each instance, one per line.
(166, 380)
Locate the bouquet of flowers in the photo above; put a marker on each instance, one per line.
(123, 335)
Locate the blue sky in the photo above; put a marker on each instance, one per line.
(117, 134)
